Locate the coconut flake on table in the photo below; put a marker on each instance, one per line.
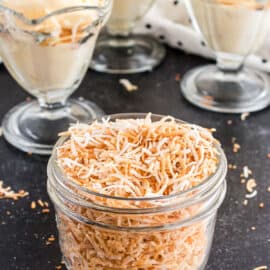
(8, 193)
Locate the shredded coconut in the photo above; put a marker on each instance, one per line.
(246, 172)
(244, 116)
(245, 202)
(33, 205)
(251, 184)
(136, 159)
(8, 193)
(263, 267)
(261, 205)
(104, 157)
(236, 147)
(130, 87)
(252, 195)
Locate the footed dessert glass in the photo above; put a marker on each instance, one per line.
(119, 51)
(47, 46)
(233, 30)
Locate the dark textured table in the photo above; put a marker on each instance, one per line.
(24, 231)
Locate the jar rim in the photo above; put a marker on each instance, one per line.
(220, 172)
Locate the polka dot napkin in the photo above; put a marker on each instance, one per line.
(168, 21)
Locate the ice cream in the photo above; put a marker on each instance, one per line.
(53, 53)
(125, 14)
(229, 26)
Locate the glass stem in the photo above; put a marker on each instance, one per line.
(56, 105)
(121, 39)
(123, 30)
(228, 63)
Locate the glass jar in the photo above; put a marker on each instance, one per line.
(101, 232)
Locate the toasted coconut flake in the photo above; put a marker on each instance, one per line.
(45, 211)
(236, 147)
(8, 193)
(244, 116)
(245, 202)
(246, 172)
(128, 85)
(252, 195)
(40, 203)
(46, 204)
(232, 167)
(261, 205)
(33, 205)
(262, 267)
(51, 238)
(178, 77)
(251, 184)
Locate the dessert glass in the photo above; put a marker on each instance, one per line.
(91, 238)
(118, 50)
(232, 29)
(47, 51)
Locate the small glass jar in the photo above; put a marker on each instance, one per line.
(101, 232)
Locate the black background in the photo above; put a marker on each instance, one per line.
(24, 231)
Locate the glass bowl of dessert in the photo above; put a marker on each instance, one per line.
(232, 29)
(47, 46)
(120, 51)
(136, 191)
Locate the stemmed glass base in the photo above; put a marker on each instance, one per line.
(34, 129)
(127, 54)
(228, 92)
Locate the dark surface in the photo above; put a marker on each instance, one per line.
(23, 233)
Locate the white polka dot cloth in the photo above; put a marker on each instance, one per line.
(168, 21)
